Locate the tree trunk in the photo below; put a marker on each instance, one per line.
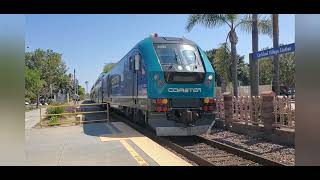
(276, 71)
(38, 100)
(223, 85)
(234, 61)
(254, 66)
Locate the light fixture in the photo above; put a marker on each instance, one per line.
(154, 35)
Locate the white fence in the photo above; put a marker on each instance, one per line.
(249, 110)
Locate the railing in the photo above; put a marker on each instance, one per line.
(72, 110)
(248, 110)
(284, 112)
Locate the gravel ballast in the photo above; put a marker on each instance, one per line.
(281, 153)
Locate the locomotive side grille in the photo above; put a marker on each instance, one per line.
(185, 103)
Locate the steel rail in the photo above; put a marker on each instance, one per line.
(240, 152)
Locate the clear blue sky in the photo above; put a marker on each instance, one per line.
(87, 42)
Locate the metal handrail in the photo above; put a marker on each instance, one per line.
(75, 113)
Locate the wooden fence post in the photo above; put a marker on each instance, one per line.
(108, 113)
(268, 111)
(228, 111)
(40, 118)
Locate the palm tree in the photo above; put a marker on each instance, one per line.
(233, 21)
(254, 68)
(276, 71)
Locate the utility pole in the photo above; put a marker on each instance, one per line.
(87, 87)
(74, 85)
(74, 81)
(77, 87)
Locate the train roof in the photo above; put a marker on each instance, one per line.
(173, 40)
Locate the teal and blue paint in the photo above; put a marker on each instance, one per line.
(147, 86)
(154, 91)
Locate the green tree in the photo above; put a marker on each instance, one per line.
(232, 21)
(287, 70)
(51, 68)
(108, 67)
(211, 56)
(81, 92)
(243, 72)
(33, 85)
(220, 60)
(265, 71)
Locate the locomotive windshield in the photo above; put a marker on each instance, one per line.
(180, 57)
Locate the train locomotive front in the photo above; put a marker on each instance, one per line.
(180, 87)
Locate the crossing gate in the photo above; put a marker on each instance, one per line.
(74, 114)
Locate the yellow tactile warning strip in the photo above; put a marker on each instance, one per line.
(158, 153)
(133, 153)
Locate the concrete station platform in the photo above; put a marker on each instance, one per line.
(106, 144)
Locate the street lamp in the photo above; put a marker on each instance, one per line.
(86, 85)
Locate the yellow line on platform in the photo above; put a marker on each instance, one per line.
(133, 153)
(159, 154)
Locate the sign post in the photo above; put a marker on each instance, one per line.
(253, 57)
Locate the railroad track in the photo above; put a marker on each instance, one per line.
(204, 152)
(220, 154)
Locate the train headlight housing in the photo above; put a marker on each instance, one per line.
(210, 77)
(164, 101)
(206, 100)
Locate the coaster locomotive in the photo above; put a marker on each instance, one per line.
(166, 83)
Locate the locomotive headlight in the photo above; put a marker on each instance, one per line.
(210, 77)
(164, 101)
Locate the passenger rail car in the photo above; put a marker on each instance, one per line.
(164, 82)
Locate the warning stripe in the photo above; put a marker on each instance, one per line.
(134, 154)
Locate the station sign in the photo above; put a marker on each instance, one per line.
(274, 51)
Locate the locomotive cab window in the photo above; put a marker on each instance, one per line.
(167, 56)
(189, 56)
(181, 63)
(179, 57)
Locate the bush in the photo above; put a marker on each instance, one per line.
(27, 100)
(53, 121)
(55, 110)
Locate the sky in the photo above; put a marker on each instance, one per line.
(87, 42)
